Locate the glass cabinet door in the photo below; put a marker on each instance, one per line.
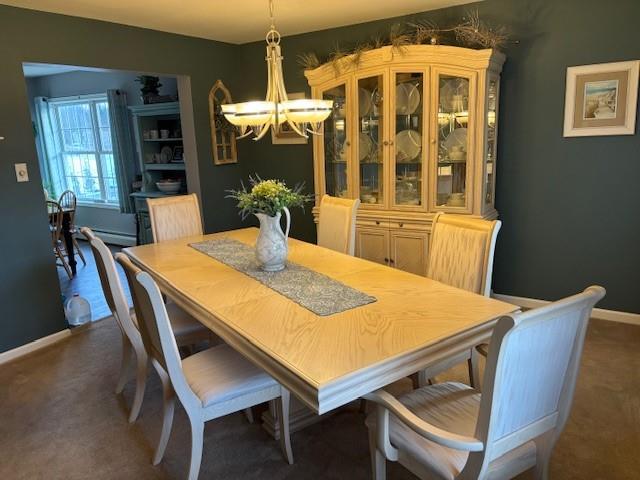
(407, 138)
(369, 142)
(492, 138)
(336, 143)
(452, 140)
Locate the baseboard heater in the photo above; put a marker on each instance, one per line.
(115, 238)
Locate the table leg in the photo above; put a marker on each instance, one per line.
(68, 241)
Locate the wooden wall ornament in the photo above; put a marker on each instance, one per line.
(223, 135)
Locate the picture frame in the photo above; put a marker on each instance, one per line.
(283, 134)
(601, 99)
(223, 134)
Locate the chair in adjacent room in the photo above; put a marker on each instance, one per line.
(452, 431)
(461, 253)
(54, 210)
(186, 329)
(209, 384)
(69, 204)
(174, 217)
(337, 224)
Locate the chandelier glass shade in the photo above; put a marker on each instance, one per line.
(302, 115)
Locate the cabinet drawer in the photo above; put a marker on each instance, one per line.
(418, 227)
(369, 223)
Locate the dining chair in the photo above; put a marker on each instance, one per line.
(337, 224)
(461, 253)
(174, 217)
(69, 203)
(209, 384)
(54, 211)
(452, 431)
(187, 330)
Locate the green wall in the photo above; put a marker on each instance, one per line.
(570, 207)
(30, 295)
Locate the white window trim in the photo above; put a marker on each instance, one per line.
(93, 98)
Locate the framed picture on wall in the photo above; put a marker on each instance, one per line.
(284, 134)
(601, 99)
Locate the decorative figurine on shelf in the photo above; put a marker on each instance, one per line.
(150, 88)
(267, 199)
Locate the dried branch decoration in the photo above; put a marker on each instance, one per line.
(398, 39)
(475, 32)
(472, 32)
(309, 60)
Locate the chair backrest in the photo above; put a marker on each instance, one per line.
(150, 339)
(68, 202)
(174, 217)
(158, 336)
(461, 252)
(54, 210)
(531, 373)
(111, 285)
(337, 224)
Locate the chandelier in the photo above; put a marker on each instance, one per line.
(302, 115)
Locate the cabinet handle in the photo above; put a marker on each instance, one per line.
(433, 141)
(390, 142)
(348, 143)
(391, 261)
(386, 260)
(385, 143)
(377, 222)
(401, 225)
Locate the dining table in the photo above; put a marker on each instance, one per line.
(326, 361)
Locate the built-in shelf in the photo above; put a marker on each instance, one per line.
(164, 166)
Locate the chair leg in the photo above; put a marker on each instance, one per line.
(141, 383)
(66, 266)
(125, 367)
(79, 250)
(378, 462)
(474, 370)
(197, 439)
(248, 412)
(168, 407)
(544, 447)
(282, 405)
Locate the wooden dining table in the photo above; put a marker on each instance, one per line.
(325, 361)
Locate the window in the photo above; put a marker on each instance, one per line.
(83, 135)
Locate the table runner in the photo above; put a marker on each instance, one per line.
(312, 290)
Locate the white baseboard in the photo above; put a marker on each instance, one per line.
(599, 313)
(18, 352)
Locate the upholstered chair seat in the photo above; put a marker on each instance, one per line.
(220, 374)
(453, 407)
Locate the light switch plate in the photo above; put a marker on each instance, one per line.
(22, 174)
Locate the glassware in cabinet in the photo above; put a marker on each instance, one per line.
(370, 140)
(336, 143)
(452, 139)
(407, 134)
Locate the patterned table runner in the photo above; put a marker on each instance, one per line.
(312, 290)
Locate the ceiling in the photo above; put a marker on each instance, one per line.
(41, 69)
(239, 22)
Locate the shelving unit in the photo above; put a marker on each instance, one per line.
(146, 118)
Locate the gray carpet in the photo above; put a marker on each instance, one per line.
(61, 420)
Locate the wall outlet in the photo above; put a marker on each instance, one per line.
(22, 174)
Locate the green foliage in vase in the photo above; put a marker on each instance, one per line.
(268, 197)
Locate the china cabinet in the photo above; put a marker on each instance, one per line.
(413, 132)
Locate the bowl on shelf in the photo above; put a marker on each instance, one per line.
(169, 186)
